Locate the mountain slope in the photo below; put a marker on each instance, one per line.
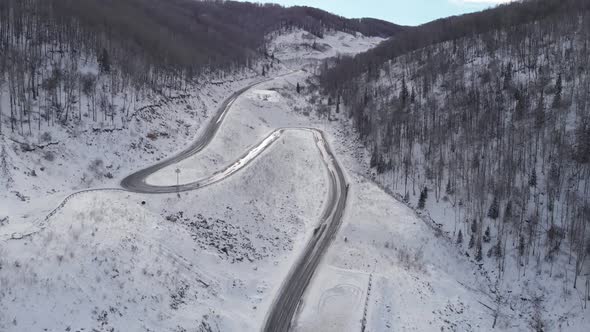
(447, 29)
(58, 54)
(488, 136)
(173, 34)
(90, 90)
(95, 89)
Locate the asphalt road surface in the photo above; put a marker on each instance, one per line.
(136, 182)
(287, 300)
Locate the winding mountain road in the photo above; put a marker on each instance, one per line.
(136, 182)
(287, 300)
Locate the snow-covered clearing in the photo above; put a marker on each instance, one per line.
(299, 48)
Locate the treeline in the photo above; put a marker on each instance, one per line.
(200, 34)
(446, 29)
(496, 124)
(316, 21)
(175, 34)
(69, 59)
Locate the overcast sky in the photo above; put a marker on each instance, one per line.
(406, 12)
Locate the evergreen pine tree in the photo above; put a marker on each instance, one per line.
(423, 198)
(521, 103)
(486, 235)
(508, 212)
(460, 238)
(498, 249)
(104, 61)
(4, 169)
(471, 241)
(374, 157)
(494, 212)
(298, 88)
(533, 181)
(380, 165)
(521, 246)
(404, 93)
(478, 252)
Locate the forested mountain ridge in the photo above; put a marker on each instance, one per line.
(90, 94)
(492, 126)
(445, 29)
(92, 89)
(55, 53)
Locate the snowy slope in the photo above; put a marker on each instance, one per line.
(299, 48)
(169, 262)
(45, 169)
(537, 283)
(393, 270)
(253, 116)
(210, 259)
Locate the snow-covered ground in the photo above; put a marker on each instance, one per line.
(387, 270)
(409, 276)
(107, 259)
(212, 259)
(45, 169)
(209, 259)
(404, 278)
(299, 48)
(253, 117)
(530, 295)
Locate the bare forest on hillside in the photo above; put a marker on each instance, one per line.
(495, 124)
(70, 60)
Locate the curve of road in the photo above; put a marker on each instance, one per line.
(293, 287)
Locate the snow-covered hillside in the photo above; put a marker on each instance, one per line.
(214, 258)
(210, 259)
(40, 169)
(133, 262)
(487, 137)
(43, 168)
(391, 268)
(298, 47)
